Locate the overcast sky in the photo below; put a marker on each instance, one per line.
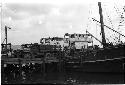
(32, 20)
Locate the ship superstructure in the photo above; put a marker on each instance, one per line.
(79, 41)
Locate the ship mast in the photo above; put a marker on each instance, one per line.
(102, 25)
(6, 39)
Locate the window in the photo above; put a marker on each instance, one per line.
(72, 36)
(80, 35)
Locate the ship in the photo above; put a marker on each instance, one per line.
(109, 58)
(73, 51)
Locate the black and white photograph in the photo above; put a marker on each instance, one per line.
(62, 42)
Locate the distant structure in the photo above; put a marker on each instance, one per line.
(54, 41)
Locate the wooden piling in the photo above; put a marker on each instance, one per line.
(81, 56)
(43, 67)
(64, 59)
(20, 67)
(60, 61)
(2, 69)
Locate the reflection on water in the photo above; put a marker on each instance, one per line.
(33, 75)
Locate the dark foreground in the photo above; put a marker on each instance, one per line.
(33, 75)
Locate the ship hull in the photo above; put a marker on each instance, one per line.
(100, 60)
(116, 65)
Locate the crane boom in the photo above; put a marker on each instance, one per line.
(94, 36)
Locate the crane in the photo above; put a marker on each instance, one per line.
(93, 36)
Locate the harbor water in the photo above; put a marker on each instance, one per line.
(32, 75)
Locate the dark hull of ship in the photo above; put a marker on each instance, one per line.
(115, 65)
(109, 59)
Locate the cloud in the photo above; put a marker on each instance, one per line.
(34, 9)
(30, 22)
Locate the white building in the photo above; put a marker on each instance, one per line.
(78, 40)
